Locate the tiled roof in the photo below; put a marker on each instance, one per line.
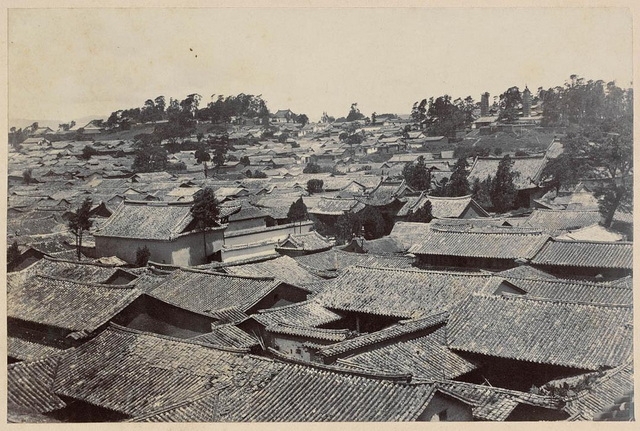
(283, 268)
(387, 245)
(594, 232)
(500, 244)
(400, 293)
(601, 393)
(305, 314)
(138, 373)
(203, 291)
(526, 271)
(424, 357)
(333, 259)
(493, 403)
(586, 254)
(66, 304)
(402, 328)
(305, 394)
(569, 334)
(310, 241)
(555, 221)
(334, 335)
(27, 350)
(335, 206)
(568, 290)
(409, 233)
(528, 167)
(441, 207)
(29, 386)
(160, 221)
(227, 335)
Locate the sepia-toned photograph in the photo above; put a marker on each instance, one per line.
(372, 214)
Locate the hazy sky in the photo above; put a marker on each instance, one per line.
(69, 63)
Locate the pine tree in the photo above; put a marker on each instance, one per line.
(423, 214)
(205, 212)
(458, 184)
(503, 189)
(298, 212)
(417, 175)
(80, 221)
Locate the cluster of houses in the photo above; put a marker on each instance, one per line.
(471, 317)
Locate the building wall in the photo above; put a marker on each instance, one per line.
(470, 212)
(274, 233)
(245, 224)
(186, 250)
(445, 408)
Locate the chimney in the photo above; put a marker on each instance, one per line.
(484, 104)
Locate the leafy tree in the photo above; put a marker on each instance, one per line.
(244, 160)
(142, 256)
(80, 221)
(27, 176)
(201, 154)
(298, 211)
(510, 102)
(373, 118)
(419, 112)
(314, 186)
(354, 113)
(347, 226)
(88, 151)
(150, 156)
(480, 191)
(13, 255)
(443, 117)
(417, 175)
(205, 211)
(302, 119)
(373, 224)
(422, 214)
(503, 189)
(312, 168)
(458, 184)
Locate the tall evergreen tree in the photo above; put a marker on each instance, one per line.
(205, 212)
(79, 221)
(423, 214)
(503, 189)
(417, 175)
(298, 212)
(458, 184)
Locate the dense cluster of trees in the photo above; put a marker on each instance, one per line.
(599, 141)
(442, 116)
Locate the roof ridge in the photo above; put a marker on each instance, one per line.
(528, 297)
(221, 274)
(565, 281)
(421, 271)
(77, 262)
(585, 241)
(119, 328)
(516, 231)
(128, 286)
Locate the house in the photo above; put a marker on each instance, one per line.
(283, 268)
(463, 207)
(521, 341)
(585, 259)
(303, 243)
(487, 248)
(167, 229)
(557, 222)
(282, 116)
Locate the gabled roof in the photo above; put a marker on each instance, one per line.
(71, 305)
(205, 292)
(442, 207)
(25, 350)
(141, 220)
(335, 260)
(398, 293)
(335, 206)
(283, 268)
(309, 241)
(227, 336)
(586, 254)
(569, 334)
(29, 386)
(497, 243)
(528, 167)
(308, 313)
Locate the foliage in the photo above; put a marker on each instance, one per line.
(347, 226)
(312, 168)
(354, 113)
(423, 214)
(80, 221)
(298, 211)
(417, 175)
(244, 160)
(201, 154)
(302, 119)
(510, 101)
(458, 184)
(13, 255)
(503, 189)
(314, 186)
(205, 211)
(142, 256)
(326, 118)
(373, 224)
(88, 151)
(27, 176)
(480, 191)
(283, 137)
(150, 156)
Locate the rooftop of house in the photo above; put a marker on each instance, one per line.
(570, 334)
(442, 207)
(586, 254)
(309, 241)
(529, 169)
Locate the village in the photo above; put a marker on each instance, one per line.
(224, 263)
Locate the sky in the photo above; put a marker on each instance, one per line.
(66, 64)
